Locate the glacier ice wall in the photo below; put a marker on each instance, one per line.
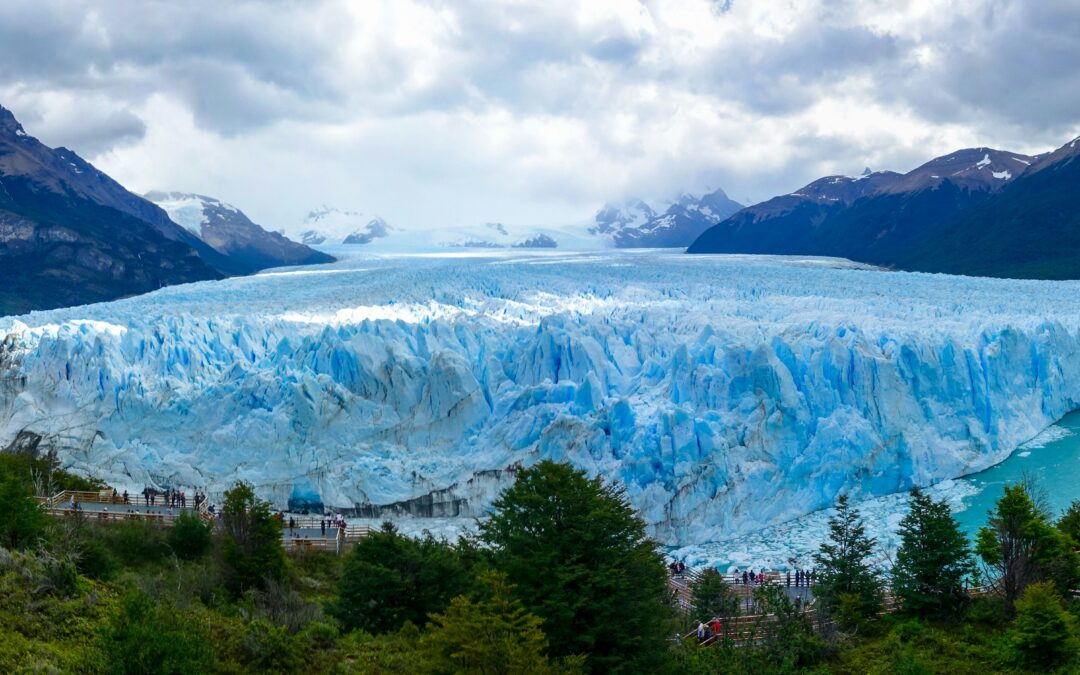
(727, 393)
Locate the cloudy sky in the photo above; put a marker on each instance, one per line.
(463, 111)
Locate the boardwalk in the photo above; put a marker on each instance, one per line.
(103, 506)
(680, 589)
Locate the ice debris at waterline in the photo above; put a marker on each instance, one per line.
(728, 393)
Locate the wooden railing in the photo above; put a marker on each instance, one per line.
(746, 629)
(138, 507)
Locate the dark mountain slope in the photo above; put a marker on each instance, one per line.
(1031, 229)
(978, 211)
(68, 235)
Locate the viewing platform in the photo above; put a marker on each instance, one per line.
(307, 533)
(107, 505)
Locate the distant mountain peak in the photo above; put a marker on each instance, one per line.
(328, 224)
(9, 125)
(228, 230)
(636, 224)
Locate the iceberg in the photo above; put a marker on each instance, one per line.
(727, 393)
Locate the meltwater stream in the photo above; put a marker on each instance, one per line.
(1052, 459)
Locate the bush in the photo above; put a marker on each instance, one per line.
(190, 536)
(269, 648)
(94, 559)
(251, 546)
(1043, 634)
(490, 636)
(134, 542)
(148, 637)
(390, 579)
(22, 521)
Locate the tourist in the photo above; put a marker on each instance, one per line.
(789, 578)
(322, 526)
(700, 632)
(744, 577)
(126, 500)
(715, 626)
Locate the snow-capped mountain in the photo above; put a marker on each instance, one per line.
(69, 234)
(754, 394)
(232, 233)
(635, 224)
(329, 225)
(947, 215)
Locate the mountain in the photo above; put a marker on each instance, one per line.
(69, 234)
(329, 225)
(229, 231)
(1029, 229)
(976, 211)
(636, 225)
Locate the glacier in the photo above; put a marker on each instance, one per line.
(727, 393)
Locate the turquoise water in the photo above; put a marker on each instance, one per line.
(1053, 459)
(1055, 466)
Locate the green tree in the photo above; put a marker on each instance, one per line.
(1021, 547)
(1043, 635)
(22, 521)
(933, 560)
(1069, 523)
(786, 641)
(489, 636)
(390, 579)
(190, 535)
(148, 637)
(251, 550)
(711, 596)
(844, 578)
(579, 558)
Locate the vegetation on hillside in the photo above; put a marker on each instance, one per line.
(561, 579)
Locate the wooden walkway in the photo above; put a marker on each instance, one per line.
(751, 628)
(102, 506)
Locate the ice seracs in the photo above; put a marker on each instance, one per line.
(728, 393)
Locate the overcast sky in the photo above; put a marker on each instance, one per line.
(529, 113)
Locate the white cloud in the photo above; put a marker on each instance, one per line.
(468, 111)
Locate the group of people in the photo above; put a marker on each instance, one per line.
(677, 568)
(334, 520)
(708, 630)
(327, 524)
(170, 498)
(798, 578)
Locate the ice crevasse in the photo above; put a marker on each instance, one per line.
(726, 393)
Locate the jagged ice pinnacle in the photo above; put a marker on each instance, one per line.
(727, 393)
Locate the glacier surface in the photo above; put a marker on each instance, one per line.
(728, 393)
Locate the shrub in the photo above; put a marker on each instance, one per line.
(390, 579)
(148, 637)
(94, 559)
(190, 536)
(251, 547)
(1043, 635)
(134, 542)
(22, 521)
(489, 636)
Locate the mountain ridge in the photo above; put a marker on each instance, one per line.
(902, 219)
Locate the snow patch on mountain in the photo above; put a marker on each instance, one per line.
(189, 210)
